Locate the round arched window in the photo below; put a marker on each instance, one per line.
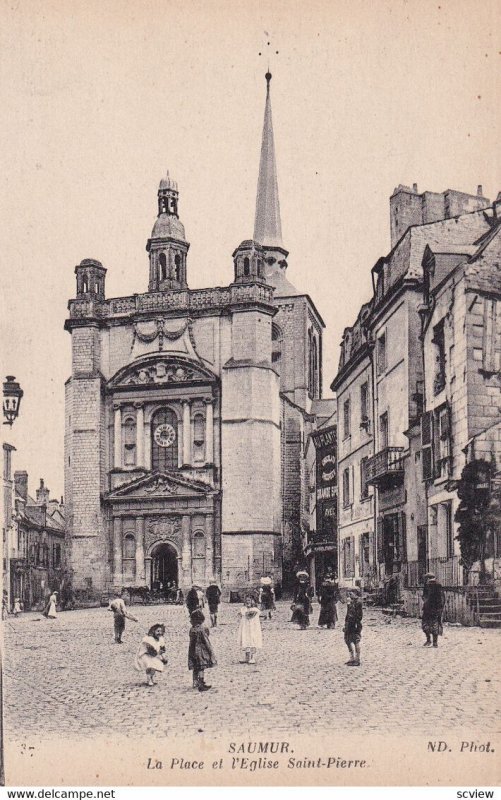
(164, 443)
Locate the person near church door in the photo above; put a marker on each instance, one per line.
(213, 594)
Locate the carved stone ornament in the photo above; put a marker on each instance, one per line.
(148, 332)
(162, 486)
(163, 529)
(159, 373)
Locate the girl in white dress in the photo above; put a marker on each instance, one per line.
(250, 637)
(151, 656)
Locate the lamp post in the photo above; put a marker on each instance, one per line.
(12, 395)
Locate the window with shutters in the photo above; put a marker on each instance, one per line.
(427, 445)
(381, 360)
(449, 529)
(380, 541)
(364, 486)
(349, 557)
(402, 538)
(383, 431)
(346, 488)
(346, 418)
(442, 441)
(439, 345)
(364, 407)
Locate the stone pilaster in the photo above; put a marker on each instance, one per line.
(139, 434)
(186, 549)
(117, 552)
(117, 437)
(140, 571)
(209, 547)
(186, 433)
(209, 432)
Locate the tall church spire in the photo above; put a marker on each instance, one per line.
(267, 225)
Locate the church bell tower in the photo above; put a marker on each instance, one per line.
(167, 246)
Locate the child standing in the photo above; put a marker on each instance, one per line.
(353, 626)
(250, 637)
(200, 653)
(267, 596)
(17, 607)
(151, 656)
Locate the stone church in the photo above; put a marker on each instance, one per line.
(187, 411)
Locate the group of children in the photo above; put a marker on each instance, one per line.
(152, 658)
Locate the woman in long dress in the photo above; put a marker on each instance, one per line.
(301, 606)
(250, 637)
(328, 597)
(433, 607)
(151, 656)
(51, 607)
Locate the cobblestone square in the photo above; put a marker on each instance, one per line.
(68, 678)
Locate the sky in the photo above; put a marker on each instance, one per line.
(100, 99)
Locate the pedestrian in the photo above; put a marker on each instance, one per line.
(433, 606)
(17, 607)
(213, 594)
(267, 596)
(193, 599)
(50, 610)
(301, 606)
(151, 656)
(328, 595)
(5, 605)
(353, 626)
(250, 637)
(120, 614)
(201, 655)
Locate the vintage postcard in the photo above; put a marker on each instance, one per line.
(251, 334)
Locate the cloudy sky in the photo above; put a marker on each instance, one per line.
(99, 99)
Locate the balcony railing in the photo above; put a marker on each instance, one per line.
(448, 571)
(385, 465)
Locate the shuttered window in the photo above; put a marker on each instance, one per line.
(427, 445)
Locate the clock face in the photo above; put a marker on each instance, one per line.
(164, 435)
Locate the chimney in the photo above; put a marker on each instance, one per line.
(480, 190)
(21, 483)
(414, 188)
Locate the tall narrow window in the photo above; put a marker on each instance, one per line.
(177, 262)
(346, 419)
(381, 354)
(383, 431)
(364, 486)
(449, 530)
(439, 342)
(162, 260)
(346, 487)
(164, 444)
(246, 267)
(129, 441)
(199, 438)
(364, 406)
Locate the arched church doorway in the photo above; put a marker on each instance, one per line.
(164, 568)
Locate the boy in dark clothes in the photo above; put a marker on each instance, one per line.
(353, 626)
(213, 595)
(200, 653)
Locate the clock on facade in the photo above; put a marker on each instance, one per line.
(164, 435)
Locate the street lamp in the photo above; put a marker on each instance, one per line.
(12, 394)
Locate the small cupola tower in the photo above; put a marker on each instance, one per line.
(248, 260)
(90, 280)
(167, 246)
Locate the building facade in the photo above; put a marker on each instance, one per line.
(430, 357)
(187, 410)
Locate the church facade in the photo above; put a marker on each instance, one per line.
(186, 411)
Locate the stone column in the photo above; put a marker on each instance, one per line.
(147, 446)
(209, 432)
(140, 571)
(118, 437)
(147, 570)
(209, 547)
(139, 434)
(186, 433)
(117, 552)
(186, 549)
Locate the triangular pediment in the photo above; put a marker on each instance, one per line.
(160, 370)
(160, 484)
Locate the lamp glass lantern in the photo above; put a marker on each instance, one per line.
(12, 395)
